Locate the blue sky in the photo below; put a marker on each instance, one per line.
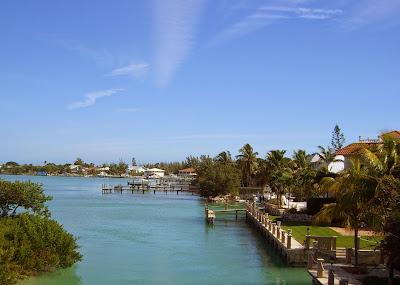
(160, 80)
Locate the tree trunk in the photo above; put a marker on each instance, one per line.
(356, 246)
(391, 273)
(278, 197)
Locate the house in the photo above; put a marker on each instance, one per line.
(187, 172)
(317, 161)
(341, 161)
(103, 171)
(154, 173)
(136, 169)
(75, 168)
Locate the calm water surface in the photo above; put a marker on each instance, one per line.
(155, 239)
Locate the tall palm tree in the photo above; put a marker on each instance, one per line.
(224, 157)
(303, 172)
(355, 191)
(279, 173)
(247, 160)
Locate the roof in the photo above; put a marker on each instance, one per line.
(187, 170)
(136, 167)
(154, 170)
(316, 157)
(392, 134)
(354, 147)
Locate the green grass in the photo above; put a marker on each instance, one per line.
(221, 206)
(299, 233)
(274, 218)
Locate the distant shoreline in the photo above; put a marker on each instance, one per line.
(82, 176)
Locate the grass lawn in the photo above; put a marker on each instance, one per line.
(299, 233)
(221, 206)
(274, 218)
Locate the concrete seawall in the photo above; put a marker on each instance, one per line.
(289, 249)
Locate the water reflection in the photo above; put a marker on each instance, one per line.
(67, 276)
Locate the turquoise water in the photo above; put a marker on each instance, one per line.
(155, 239)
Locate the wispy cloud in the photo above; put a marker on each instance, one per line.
(267, 15)
(91, 98)
(175, 28)
(303, 12)
(137, 70)
(375, 12)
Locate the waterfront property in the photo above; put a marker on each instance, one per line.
(154, 173)
(343, 155)
(155, 239)
(137, 169)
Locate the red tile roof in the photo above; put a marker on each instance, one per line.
(393, 134)
(354, 147)
(188, 170)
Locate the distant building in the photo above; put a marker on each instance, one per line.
(106, 168)
(317, 161)
(154, 173)
(342, 161)
(137, 169)
(75, 168)
(187, 172)
(103, 171)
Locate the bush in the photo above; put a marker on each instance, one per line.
(314, 205)
(218, 179)
(30, 244)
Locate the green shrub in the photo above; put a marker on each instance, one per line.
(30, 244)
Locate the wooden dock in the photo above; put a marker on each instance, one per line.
(145, 188)
(212, 213)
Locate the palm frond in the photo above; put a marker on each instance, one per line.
(326, 214)
(371, 159)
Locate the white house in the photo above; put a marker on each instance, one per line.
(136, 168)
(154, 173)
(75, 168)
(341, 161)
(337, 165)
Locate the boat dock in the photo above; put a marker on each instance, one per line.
(211, 214)
(144, 188)
(290, 249)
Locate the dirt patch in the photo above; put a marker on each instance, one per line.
(348, 232)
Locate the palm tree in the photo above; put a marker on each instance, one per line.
(355, 191)
(327, 155)
(384, 160)
(224, 157)
(278, 172)
(247, 160)
(303, 172)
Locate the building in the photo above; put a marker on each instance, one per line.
(103, 171)
(137, 169)
(154, 173)
(187, 172)
(75, 168)
(317, 161)
(342, 162)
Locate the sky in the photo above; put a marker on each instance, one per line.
(161, 80)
